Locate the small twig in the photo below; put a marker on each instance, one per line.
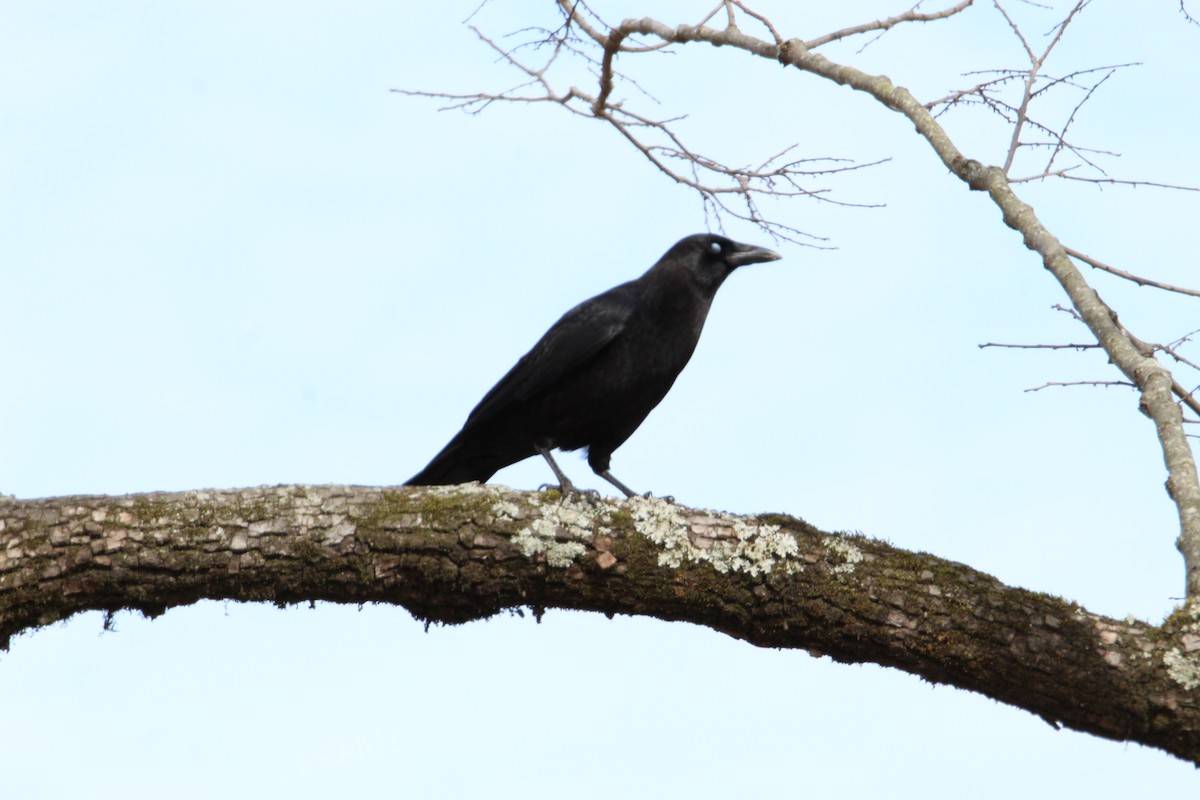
(1105, 384)
(978, 89)
(1027, 95)
(986, 93)
(1183, 10)
(1170, 350)
(1123, 182)
(1035, 65)
(713, 13)
(1071, 118)
(1068, 173)
(1182, 340)
(1065, 310)
(766, 23)
(882, 25)
(1185, 397)
(1073, 346)
(1070, 78)
(1129, 276)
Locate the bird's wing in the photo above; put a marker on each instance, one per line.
(571, 342)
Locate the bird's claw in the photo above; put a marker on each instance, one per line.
(591, 495)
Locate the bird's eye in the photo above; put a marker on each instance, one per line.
(715, 248)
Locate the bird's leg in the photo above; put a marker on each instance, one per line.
(564, 483)
(608, 476)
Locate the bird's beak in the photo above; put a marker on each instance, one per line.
(749, 254)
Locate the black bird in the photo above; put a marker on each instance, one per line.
(596, 374)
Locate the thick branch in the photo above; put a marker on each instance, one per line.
(460, 553)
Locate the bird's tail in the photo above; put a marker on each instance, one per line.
(461, 462)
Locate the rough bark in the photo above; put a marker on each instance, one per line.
(459, 553)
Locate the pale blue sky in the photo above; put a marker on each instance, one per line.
(229, 256)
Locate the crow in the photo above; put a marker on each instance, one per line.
(598, 372)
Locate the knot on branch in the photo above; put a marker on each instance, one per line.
(791, 51)
(973, 173)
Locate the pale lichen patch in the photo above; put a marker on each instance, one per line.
(561, 534)
(1183, 662)
(728, 543)
(541, 539)
(849, 554)
(506, 509)
(1184, 670)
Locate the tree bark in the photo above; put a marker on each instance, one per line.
(453, 554)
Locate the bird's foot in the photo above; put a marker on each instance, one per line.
(666, 498)
(570, 489)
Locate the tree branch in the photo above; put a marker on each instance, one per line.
(1154, 382)
(453, 554)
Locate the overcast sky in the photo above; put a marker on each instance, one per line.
(230, 256)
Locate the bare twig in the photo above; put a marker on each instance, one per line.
(1073, 346)
(1182, 340)
(1072, 312)
(1071, 118)
(1123, 182)
(1035, 64)
(1036, 83)
(766, 23)
(977, 91)
(886, 24)
(1186, 397)
(1129, 276)
(1049, 384)
(1183, 10)
(986, 93)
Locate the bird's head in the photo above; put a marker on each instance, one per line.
(711, 258)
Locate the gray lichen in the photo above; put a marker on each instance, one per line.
(728, 543)
(1183, 669)
(850, 555)
(542, 538)
(1183, 663)
(561, 533)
